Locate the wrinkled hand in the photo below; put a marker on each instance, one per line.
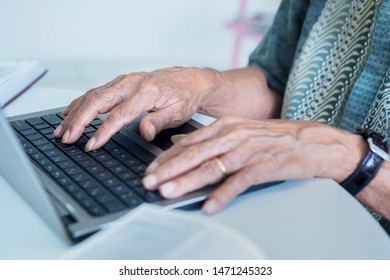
(251, 152)
(171, 96)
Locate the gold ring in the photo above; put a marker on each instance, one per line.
(221, 166)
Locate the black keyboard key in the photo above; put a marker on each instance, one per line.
(88, 162)
(27, 132)
(49, 136)
(72, 170)
(112, 182)
(134, 183)
(92, 207)
(82, 141)
(81, 176)
(97, 123)
(20, 125)
(73, 188)
(118, 169)
(73, 151)
(65, 181)
(79, 195)
(103, 175)
(37, 156)
(94, 168)
(123, 156)
(110, 163)
(50, 168)
(31, 150)
(120, 189)
(35, 121)
(89, 134)
(57, 174)
(80, 157)
(106, 199)
(115, 150)
(41, 126)
(60, 158)
(60, 115)
(40, 141)
(148, 195)
(102, 156)
(140, 168)
(46, 147)
(52, 153)
(127, 175)
(43, 161)
(88, 184)
(52, 119)
(131, 162)
(131, 199)
(94, 153)
(110, 144)
(47, 131)
(89, 129)
(134, 148)
(33, 136)
(114, 207)
(95, 191)
(65, 164)
(26, 145)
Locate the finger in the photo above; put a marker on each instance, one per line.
(98, 101)
(60, 130)
(231, 188)
(207, 173)
(120, 116)
(156, 121)
(189, 158)
(178, 148)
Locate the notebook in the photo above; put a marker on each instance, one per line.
(79, 193)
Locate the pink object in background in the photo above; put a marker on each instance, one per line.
(247, 27)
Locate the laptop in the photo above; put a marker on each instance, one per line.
(78, 193)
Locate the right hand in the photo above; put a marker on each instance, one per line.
(170, 95)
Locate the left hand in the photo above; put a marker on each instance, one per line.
(251, 152)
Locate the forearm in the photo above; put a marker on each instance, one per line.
(341, 153)
(242, 92)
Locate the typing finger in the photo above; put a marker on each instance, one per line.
(118, 117)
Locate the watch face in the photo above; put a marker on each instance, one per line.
(377, 139)
(378, 150)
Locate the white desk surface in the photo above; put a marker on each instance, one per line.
(310, 219)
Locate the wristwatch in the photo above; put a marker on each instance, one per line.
(369, 167)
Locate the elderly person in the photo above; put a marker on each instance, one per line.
(321, 73)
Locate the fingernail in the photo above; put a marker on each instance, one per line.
(57, 131)
(152, 131)
(152, 167)
(149, 181)
(167, 189)
(65, 138)
(89, 145)
(210, 207)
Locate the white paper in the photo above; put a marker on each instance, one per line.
(151, 233)
(16, 77)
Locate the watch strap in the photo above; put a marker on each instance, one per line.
(370, 165)
(363, 175)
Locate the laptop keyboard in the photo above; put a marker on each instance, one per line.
(103, 181)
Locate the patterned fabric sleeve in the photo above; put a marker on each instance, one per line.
(277, 51)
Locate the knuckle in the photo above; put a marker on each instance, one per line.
(116, 115)
(210, 168)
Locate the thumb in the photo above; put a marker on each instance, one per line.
(154, 122)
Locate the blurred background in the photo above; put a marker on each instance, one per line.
(86, 43)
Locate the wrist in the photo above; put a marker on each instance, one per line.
(336, 153)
